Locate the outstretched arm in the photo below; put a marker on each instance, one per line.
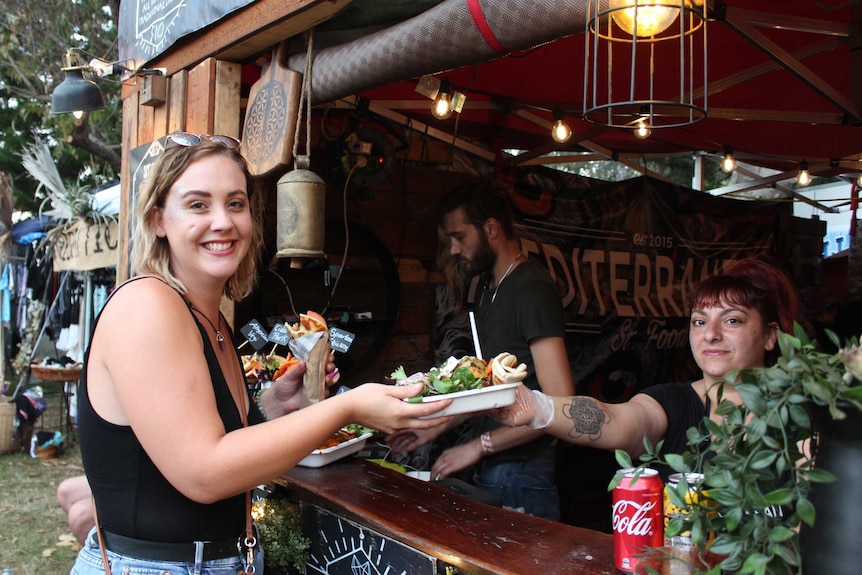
(583, 420)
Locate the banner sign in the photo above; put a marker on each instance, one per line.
(86, 246)
(625, 255)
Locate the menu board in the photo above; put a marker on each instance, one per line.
(149, 27)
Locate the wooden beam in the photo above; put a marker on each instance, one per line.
(800, 117)
(248, 32)
(737, 22)
(793, 23)
(421, 127)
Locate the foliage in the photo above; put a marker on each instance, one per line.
(34, 34)
(283, 543)
(758, 471)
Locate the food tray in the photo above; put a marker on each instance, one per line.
(472, 400)
(321, 457)
(54, 373)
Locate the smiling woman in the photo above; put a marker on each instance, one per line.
(734, 325)
(171, 440)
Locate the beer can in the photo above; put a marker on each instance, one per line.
(637, 517)
(671, 511)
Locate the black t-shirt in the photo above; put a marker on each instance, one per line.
(684, 409)
(527, 306)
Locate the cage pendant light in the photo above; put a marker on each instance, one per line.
(645, 63)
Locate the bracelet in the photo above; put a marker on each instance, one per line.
(260, 408)
(487, 446)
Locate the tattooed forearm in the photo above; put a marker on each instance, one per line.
(587, 417)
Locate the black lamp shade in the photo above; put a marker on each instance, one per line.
(75, 94)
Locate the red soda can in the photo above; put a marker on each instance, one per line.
(637, 517)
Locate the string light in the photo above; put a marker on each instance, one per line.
(560, 131)
(642, 129)
(442, 106)
(803, 178)
(728, 162)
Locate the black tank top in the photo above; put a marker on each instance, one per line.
(132, 497)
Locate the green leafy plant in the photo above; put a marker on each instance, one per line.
(279, 523)
(757, 465)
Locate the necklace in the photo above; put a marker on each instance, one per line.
(217, 330)
(505, 275)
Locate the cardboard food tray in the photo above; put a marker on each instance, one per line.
(321, 457)
(473, 400)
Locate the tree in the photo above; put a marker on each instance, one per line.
(34, 35)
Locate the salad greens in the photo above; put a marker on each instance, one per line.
(451, 377)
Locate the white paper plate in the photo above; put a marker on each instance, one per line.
(420, 475)
(490, 397)
(321, 457)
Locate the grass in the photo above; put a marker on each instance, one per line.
(34, 535)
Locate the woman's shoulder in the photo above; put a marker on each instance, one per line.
(143, 296)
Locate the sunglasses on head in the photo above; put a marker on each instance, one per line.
(188, 140)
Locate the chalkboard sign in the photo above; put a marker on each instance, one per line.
(340, 340)
(341, 547)
(279, 334)
(254, 334)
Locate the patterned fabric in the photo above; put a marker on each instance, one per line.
(416, 46)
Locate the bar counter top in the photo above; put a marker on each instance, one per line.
(475, 537)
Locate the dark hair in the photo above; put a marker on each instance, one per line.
(751, 283)
(481, 200)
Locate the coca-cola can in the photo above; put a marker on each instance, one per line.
(637, 517)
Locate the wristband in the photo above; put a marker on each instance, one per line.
(487, 446)
(260, 408)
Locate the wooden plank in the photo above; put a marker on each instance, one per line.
(177, 94)
(248, 31)
(228, 77)
(200, 98)
(130, 141)
(483, 539)
(160, 114)
(145, 122)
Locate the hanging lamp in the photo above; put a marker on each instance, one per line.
(645, 63)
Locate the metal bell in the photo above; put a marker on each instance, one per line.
(301, 205)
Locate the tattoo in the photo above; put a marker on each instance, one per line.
(587, 418)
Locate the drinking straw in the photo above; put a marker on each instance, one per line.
(475, 335)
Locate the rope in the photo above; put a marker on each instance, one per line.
(305, 99)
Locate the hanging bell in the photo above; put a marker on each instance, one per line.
(301, 204)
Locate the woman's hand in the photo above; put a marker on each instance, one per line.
(381, 407)
(285, 395)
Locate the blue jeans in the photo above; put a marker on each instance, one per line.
(526, 485)
(89, 562)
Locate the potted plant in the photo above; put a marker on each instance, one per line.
(285, 547)
(770, 494)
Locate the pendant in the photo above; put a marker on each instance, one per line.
(220, 340)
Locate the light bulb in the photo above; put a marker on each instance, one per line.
(803, 178)
(78, 114)
(859, 181)
(652, 17)
(642, 130)
(728, 163)
(560, 131)
(442, 106)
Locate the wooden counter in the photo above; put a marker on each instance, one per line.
(441, 527)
